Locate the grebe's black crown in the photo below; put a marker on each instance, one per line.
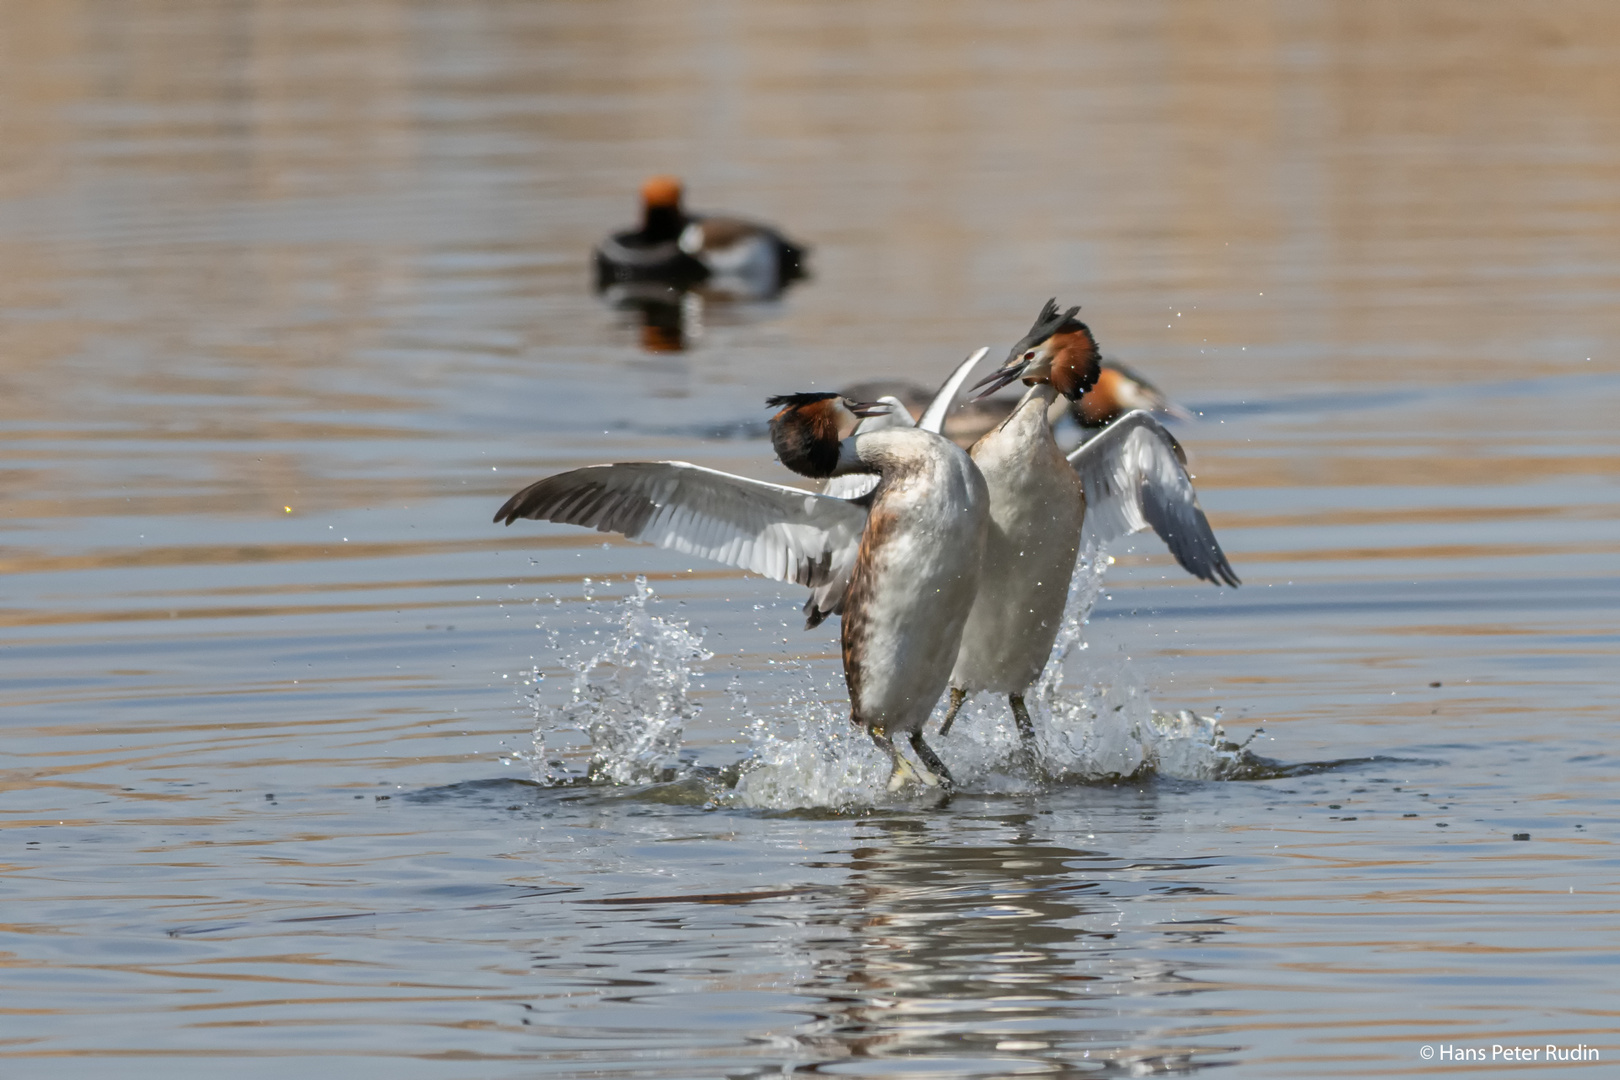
(805, 442)
(795, 401)
(1047, 323)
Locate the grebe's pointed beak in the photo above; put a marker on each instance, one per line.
(1006, 373)
(863, 409)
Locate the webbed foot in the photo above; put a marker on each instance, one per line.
(904, 771)
(938, 774)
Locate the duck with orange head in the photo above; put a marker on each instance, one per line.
(727, 257)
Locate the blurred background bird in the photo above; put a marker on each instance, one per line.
(728, 257)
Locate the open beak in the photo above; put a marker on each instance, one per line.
(1006, 373)
(864, 409)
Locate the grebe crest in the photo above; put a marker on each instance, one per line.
(1059, 349)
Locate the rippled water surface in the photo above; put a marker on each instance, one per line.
(308, 765)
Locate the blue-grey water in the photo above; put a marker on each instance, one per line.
(297, 756)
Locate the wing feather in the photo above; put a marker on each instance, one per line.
(779, 532)
(933, 417)
(1135, 478)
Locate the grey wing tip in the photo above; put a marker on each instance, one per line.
(508, 511)
(1200, 553)
(1219, 572)
(1205, 560)
(519, 505)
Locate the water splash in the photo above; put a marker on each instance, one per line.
(815, 759)
(818, 760)
(629, 704)
(1092, 726)
(630, 700)
(1085, 587)
(1095, 724)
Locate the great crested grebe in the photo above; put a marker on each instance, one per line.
(901, 567)
(1128, 477)
(1117, 391)
(726, 256)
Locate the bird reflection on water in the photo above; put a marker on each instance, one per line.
(673, 319)
(1013, 949)
(668, 318)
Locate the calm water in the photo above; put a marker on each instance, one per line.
(293, 295)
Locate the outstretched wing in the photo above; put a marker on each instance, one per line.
(933, 417)
(780, 532)
(1135, 476)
